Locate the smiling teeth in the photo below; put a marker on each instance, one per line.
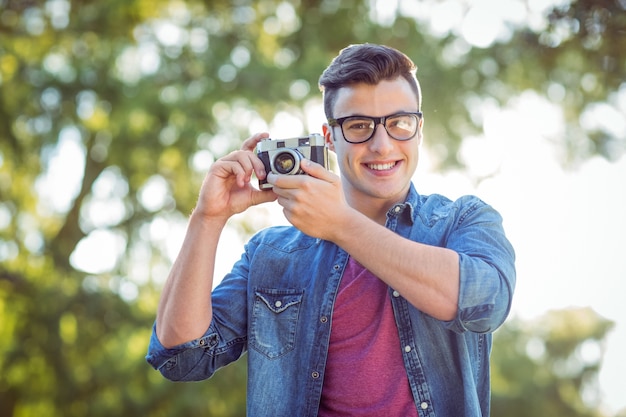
(381, 167)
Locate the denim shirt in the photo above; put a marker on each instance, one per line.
(277, 304)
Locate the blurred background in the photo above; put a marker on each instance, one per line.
(112, 111)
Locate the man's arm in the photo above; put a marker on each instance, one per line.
(426, 276)
(470, 283)
(184, 311)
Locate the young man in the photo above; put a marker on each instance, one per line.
(378, 301)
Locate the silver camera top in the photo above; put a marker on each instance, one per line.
(314, 139)
(283, 156)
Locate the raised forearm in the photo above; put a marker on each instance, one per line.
(184, 311)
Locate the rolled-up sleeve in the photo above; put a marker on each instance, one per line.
(190, 361)
(223, 342)
(487, 268)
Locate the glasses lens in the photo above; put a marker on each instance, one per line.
(356, 129)
(402, 126)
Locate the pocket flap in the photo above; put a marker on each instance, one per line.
(279, 300)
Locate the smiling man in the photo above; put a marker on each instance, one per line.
(376, 301)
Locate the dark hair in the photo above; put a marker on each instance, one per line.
(369, 64)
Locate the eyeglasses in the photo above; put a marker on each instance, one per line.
(359, 129)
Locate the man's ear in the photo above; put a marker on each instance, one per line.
(328, 136)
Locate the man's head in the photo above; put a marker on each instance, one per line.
(368, 64)
(365, 87)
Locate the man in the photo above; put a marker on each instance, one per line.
(378, 301)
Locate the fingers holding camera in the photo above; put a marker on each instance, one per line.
(313, 169)
(242, 164)
(308, 200)
(227, 188)
(316, 170)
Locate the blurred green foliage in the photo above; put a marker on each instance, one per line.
(150, 92)
(553, 360)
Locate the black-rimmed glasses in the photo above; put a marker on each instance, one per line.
(359, 129)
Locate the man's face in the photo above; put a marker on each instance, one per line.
(381, 168)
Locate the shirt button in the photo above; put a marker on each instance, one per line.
(323, 319)
(278, 304)
(315, 374)
(407, 348)
(424, 405)
(396, 294)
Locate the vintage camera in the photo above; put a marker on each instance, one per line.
(283, 156)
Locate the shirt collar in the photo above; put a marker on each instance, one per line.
(408, 208)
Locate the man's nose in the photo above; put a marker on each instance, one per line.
(381, 142)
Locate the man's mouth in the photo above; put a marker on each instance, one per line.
(382, 167)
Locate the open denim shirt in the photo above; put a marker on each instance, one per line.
(277, 304)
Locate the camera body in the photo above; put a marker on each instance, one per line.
(283, 156)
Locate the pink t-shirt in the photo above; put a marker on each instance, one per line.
(365, 374)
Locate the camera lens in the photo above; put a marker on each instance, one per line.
(285, 163)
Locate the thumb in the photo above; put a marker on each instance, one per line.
(263, 196)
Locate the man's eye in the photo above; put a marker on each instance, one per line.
(401, 124)
(359, 125)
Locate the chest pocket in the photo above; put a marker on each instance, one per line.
(274, 321)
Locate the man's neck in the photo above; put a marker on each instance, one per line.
(375, 209)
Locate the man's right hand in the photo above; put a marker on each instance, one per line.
(227, 189)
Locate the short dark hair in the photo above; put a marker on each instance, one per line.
(366, 63)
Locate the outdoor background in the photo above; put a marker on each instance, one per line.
(112, 111)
